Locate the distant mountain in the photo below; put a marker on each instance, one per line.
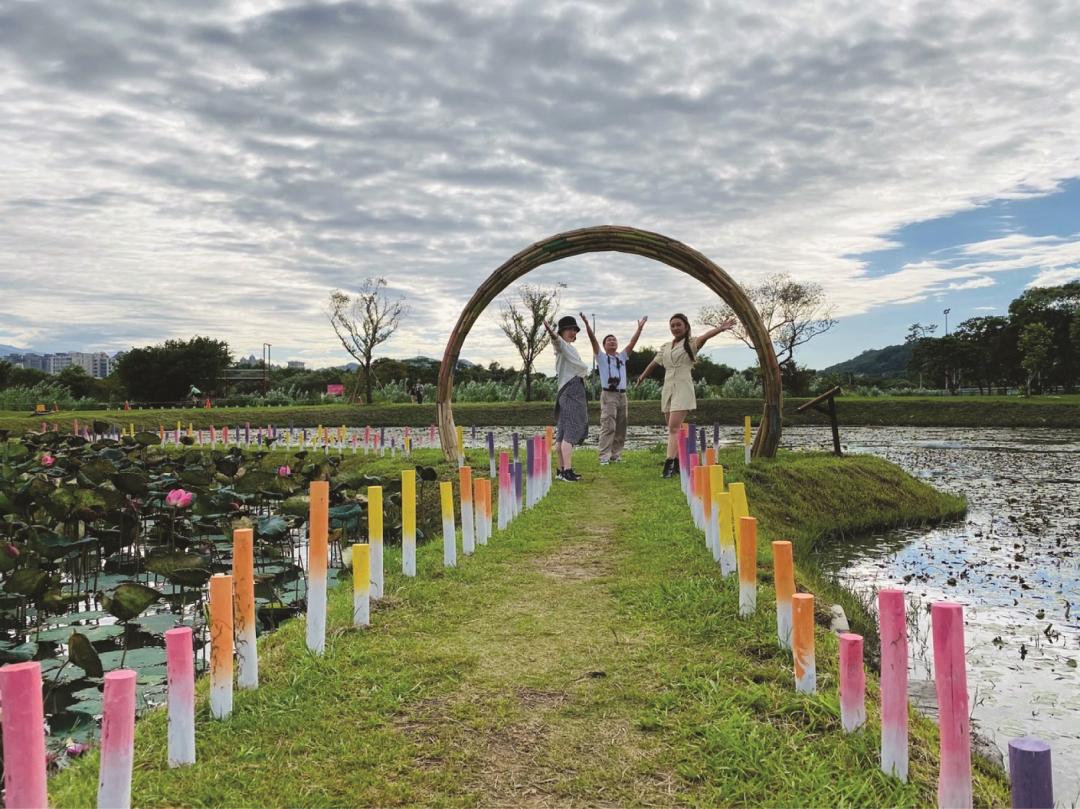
(6, 349)
(891, 361)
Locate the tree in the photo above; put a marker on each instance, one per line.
(989, 349)
(364, 322)
(166, 372)
(1036, 340)
(523, 322)
(80, 383)
(1053, 307)
(794, 312)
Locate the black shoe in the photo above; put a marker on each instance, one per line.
(674, 466)
(570, 476)
(669, 468)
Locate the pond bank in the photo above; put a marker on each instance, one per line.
(942, 411)
(589, 654)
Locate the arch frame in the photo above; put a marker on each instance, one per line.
(621, 239)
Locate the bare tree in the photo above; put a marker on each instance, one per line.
(793, 312)
(365, 321)
(523, 322)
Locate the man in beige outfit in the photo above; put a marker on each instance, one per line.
(612, 365)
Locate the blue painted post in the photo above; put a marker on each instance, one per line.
(517, 487)
(514, 439)
(1030, 773)
(691, 441)
(530, 489)
(491, 454)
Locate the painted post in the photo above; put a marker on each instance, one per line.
(446, 496)
(693, 495)
(691, 439)
(530, 472)
(950, 676)
(408, 522)
(739, 506)
(727, 535)
(716, 489)
(747, 439)
(318, 530)
(504, 491)
(117, 740)
(180, 657)
(361, 577)
(481, 521)
(706, 506)
(247, 657)
(24, 736)
(518, 489)
(716, 434)
(515, 443)
(784, 580)
(221, 645)
(852, 683)
(747, 566)
(684, 463)
(461, 446)
(375, 539)
(701, 446)
(802, 641)
(491, 453)
(465, 487)
(1030, 773)
(892, 626)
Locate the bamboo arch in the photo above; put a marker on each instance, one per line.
(608, 238)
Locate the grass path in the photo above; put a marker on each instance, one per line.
(588, 656)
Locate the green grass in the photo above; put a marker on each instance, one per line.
(590, 654)
(941, 411)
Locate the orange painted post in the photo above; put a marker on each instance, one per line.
(802, 639)
(478, 517)
(747, 566)
(465, 494)
(221, 645)
(318, 531)
(784, 578)
(247, 658)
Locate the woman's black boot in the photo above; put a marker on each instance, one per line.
(668, 464)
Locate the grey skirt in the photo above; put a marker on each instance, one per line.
(572, 413)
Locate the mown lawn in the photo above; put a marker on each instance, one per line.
(590, 654)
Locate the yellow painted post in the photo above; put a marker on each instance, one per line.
(446, 496)
(408, 522)
(361, 569)
(739, 506)
(716, 491)
(727, 534)
(375, 538)
(748, 439)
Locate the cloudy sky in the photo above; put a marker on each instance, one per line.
(170, 169)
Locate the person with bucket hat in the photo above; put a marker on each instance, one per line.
(571, 410)
(612, 365)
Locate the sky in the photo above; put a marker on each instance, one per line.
(217, 168)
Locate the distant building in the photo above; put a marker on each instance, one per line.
(96, 364)
(297, 365)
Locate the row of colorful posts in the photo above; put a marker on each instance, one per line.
(232, 623)
(722, 514)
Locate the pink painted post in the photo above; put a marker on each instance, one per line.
(117, 740)
(24, 736)
(181, 673)
(892, 625)
(852, 683)
(950, 676)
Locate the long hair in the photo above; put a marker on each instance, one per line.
(686, 335)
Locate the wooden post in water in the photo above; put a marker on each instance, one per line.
(892, 625)
(950, 677)
(1031, 774)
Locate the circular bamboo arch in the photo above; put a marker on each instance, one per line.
(611, 238)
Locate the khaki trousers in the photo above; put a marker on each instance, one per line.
(612, 423)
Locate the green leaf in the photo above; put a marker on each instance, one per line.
(428, 473)
(147, 439)
(94, 633)
(166, 564)
(27, 581)
(272, 528)
(81, 653)
(254, 481)
(190, 577)
(131, 481)
(129, 600)
(137, 659)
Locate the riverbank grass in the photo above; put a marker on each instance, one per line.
(590, 654)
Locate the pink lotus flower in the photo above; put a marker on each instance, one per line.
(47, 460)
(178, 498)
(76, 749)
(11, 551)
(284, 471)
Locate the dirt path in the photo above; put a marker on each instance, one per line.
(546, 715)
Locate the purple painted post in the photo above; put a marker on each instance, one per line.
(530, 473)
(950, 676)
(515, 438)
(1030, 773)
(701, 441)
(491, 454)
(691, 440)
(472, 434)
(517, 487)
(179, 652)
(117, 740)
(852, 683)
(247, 433)
(716, 434)
(892, 625)
(24, 736)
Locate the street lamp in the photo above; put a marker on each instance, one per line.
(946, 313)
(266, 366)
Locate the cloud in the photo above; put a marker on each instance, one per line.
(217, 168)
(1053, 278)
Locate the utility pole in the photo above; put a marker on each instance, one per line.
(266, 367)
(946, 313)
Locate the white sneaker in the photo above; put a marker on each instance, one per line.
(605, 462)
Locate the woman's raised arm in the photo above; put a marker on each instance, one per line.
(702, 339)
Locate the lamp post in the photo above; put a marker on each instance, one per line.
(946, 313)
(266, 366)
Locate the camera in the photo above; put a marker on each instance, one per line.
(613, 382)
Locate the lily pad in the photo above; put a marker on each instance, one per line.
(28, 581)
(166, 564)
(129, 600)
(93, 633)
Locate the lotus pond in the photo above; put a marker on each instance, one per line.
(107, 543)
